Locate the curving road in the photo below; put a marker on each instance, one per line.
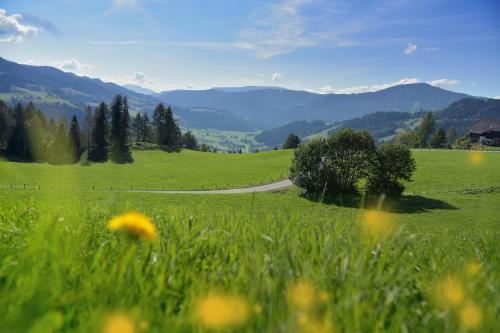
(254, 189)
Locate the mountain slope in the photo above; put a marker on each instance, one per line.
(385, 125)
(58, 94)
(275, 107)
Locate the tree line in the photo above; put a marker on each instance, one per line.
(427, 135)
(108, 133)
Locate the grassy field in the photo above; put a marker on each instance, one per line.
(154, 170)
(269, 262)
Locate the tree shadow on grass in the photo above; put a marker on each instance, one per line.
(407, 204)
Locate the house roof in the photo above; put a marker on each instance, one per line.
(485, 125)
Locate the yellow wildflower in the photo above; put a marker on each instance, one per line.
(450, 292)
(324, 296)
(301, 295)
(257, 309)
(218, 311)
(119, 323)
(473, 268)
(313, 325)
(134, 224)
(377, 223)
(470, 316)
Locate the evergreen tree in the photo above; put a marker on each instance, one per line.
(89, 123)
(99, 144)
(452, 136)
(5, 124)
(159, 124)
(38, 137)
(189, 141)
(291, 142)
(18, 145)
(146, 129)
(427, 127)
(75, 141)
(120, 119)
(173, 135)
(59, 149)
(438, 139)
(137, 128)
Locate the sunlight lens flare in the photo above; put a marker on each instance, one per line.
(377, 224)
(476, 158)
(134, 224)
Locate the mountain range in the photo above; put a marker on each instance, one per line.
(385, 125)
(58, 94)
(275, 107)
(235, 109)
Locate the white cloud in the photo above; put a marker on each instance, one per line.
(444, 83)
(12, 30)
(139, 77)
(326, 90)
(497, 97)
(279, 28)
(411, 48)
(71, 65)
(374, 87)
(276, 76)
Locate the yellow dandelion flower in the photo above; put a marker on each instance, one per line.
(218, 311)
(377, 223)
(134, 224)
(470, 316)
(450, 292)
(313, 325)
(324, 296)
(476, 157)
(257, 309)
(119, 323)
(301, 295)
(473, 268)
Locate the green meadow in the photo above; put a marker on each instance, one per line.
(427, 262)
(154, 170)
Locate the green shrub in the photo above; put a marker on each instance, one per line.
(391, 164)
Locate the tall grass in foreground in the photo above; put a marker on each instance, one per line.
(63, 270)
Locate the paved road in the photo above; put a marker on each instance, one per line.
(254, 189)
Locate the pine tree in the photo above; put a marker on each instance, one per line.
(426, 129)
(75, 141)
(120, 119)
(159, 124)
(99, 144)
(18, 145)
(5, 124)
(452, 136)
(38, 137)
(59, 149)
(137, 128)
(146, 129)
(438, 139)
(291, 142)
(173, 135)
(189, 141)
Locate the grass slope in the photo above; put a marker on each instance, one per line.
(61, 270)
(155, 170)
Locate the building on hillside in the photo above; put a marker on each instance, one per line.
(485, 132)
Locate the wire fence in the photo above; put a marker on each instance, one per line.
(130, 188)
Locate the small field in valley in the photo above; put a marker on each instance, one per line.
(428, 262)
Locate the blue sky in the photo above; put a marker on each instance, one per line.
(339, 46)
